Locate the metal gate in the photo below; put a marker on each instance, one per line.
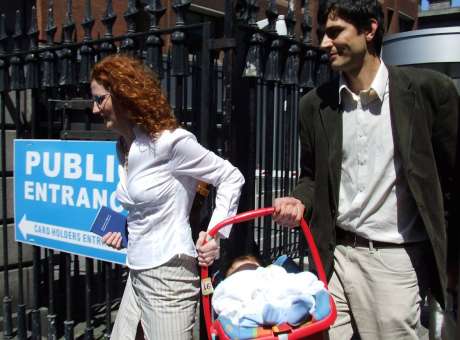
(238, 92)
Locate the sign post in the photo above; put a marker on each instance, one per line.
(58, 188)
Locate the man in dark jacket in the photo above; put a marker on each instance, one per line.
(378, 152)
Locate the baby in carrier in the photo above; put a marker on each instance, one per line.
(252, 295)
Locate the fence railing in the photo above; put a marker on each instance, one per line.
(238, 93)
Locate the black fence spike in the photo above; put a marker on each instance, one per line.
(290, 19)
(130, 14)
(272, 16)
(154, 42)
(51, 27)
(66, 71)
(253, 9)
(18, 29)
(31, 60)
(273, 64)
(86, 51)
(18, 34)
(254, 65)
(17, 66)
(180, 7)
(291, 69)
(246, 12)
(156, 10)
(241, 11)
(88, 21)
(3, 35)
(307, 73)
(108, 20)
(69, 26)
(179, 50)
(48, 58)
(4, 76)
(323, 73)
(33, 30)
(306, 23)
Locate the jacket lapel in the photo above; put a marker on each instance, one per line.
(331, 120)
(402, 110)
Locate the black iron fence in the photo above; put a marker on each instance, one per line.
(237, 92)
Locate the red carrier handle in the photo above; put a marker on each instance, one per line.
(250, 215)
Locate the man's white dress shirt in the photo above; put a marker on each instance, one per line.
(158, 190)
(374, 200)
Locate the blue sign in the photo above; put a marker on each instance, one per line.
(58, 188)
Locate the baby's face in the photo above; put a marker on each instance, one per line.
(242, 265)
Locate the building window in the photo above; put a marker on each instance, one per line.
(406, 23)
(390, 13)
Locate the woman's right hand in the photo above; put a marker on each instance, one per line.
(207, 252)
(112, 240)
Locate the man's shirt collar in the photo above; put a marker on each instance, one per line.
(376, 90)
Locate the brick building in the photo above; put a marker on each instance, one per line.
(400, 15)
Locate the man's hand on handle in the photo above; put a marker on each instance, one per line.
(288, 211)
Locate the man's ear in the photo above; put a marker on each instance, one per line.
(370, 33)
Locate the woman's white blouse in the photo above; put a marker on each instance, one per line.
(158, 190)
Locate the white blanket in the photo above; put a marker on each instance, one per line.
(267, 295)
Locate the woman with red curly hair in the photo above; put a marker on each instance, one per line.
(162, 164)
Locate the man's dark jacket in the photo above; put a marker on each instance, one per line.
(424, 109)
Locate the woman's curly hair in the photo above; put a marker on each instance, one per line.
(138, 90)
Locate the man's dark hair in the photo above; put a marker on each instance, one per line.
(357, 12)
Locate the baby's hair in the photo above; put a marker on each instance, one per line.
(243, 260)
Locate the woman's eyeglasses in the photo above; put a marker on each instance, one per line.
(100, 99)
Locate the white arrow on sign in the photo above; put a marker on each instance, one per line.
(82, 238)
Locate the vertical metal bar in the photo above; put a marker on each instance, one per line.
(32, 82)
(227, 75)
(21, 307)
(36, 322)
(179, 99)
(252, 151)
(76, 267)
(277, 121)
(288, 145)
(7, 300)
(52, 331)
(49, 116)
(108, 302)
(179, 57)
(273, 77)
(205, 79)
(268, 164)
(281, 167)
(89, 264)
(253, 71)
(68, 322)
(259, 153)
(7, 308)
